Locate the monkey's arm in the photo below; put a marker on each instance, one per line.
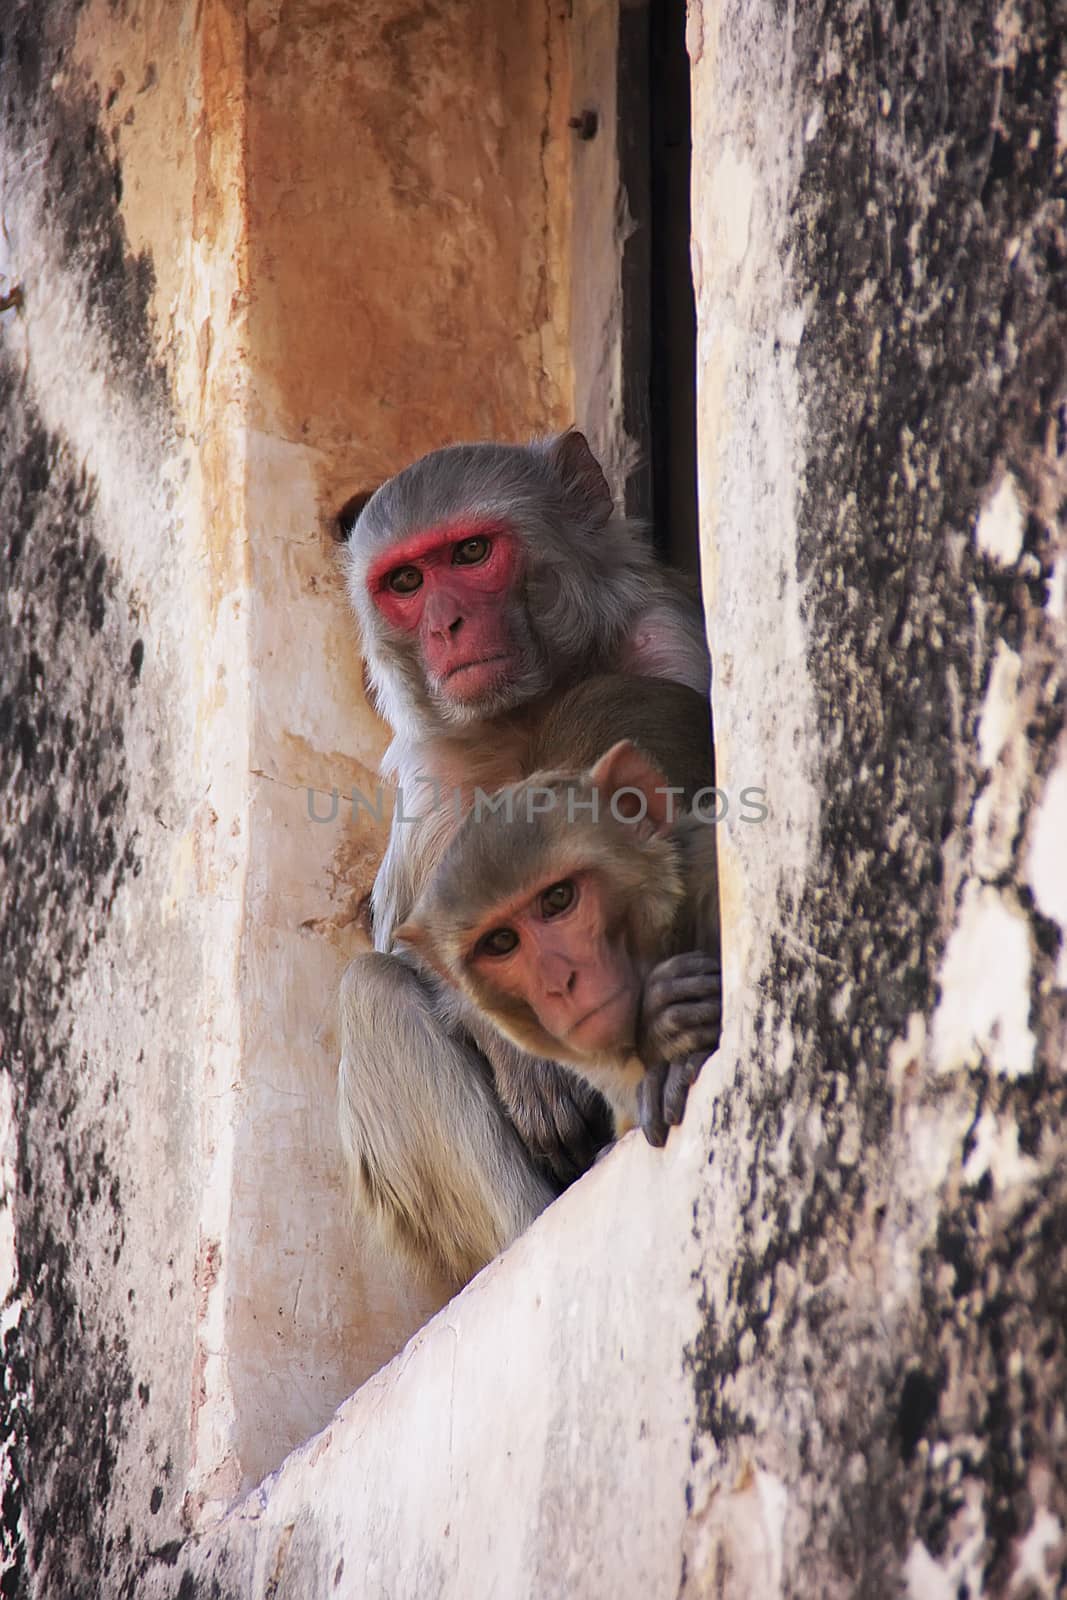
(418, 834)
(393, 893)
(678, 1028)
(429, 1150)
(562, 1120)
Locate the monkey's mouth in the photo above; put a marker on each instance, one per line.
(469, 666)
(606, 1024)
(469, 678)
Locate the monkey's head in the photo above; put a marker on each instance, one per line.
(549, 910)
(478, 576)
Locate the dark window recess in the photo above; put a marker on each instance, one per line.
(659, 312)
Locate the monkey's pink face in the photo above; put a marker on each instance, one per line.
(449, 588)
(561, 951)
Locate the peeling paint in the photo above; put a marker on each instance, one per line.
(1046, 867)
(985, 989)
(1001, 523)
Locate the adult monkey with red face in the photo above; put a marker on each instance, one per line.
(487, 579)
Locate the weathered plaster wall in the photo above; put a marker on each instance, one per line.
(116, 990)
(243, 242)
(818, 1345)
(884, 305)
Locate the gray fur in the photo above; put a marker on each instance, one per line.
(487, 1188)
(590, 579)
(454, 1139)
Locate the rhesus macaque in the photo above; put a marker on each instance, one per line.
(487, 579)
(580, 915)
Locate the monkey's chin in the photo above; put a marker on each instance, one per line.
(478, 678)
(608, 1031)
(485, 689)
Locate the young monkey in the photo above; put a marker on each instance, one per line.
(580, 914)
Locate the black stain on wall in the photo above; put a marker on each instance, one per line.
(66, 846)
(59, 129)
(70, 664)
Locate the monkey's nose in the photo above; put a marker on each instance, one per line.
(563, 981)
(447, 631)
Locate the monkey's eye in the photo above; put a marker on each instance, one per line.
(404, 580)
(559, 898)
(471, 552)
(501, 942)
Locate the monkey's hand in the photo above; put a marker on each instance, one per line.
(562, 1121)
(678, 1028)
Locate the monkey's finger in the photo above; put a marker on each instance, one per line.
(658, 996)
(685, 1029)
(695, 1064)
(691, 1013)
(689, 962)
(663, 988)
(676, 1092)
(681, 1077)
(693, 967)
(650, 1106)
(693, 963)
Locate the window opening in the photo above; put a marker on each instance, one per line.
(659, 307)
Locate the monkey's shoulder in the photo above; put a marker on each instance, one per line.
(668, 721)
(666, 639)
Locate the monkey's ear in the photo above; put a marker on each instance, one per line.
(581, 475)
(624, 775)
(349, 514)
